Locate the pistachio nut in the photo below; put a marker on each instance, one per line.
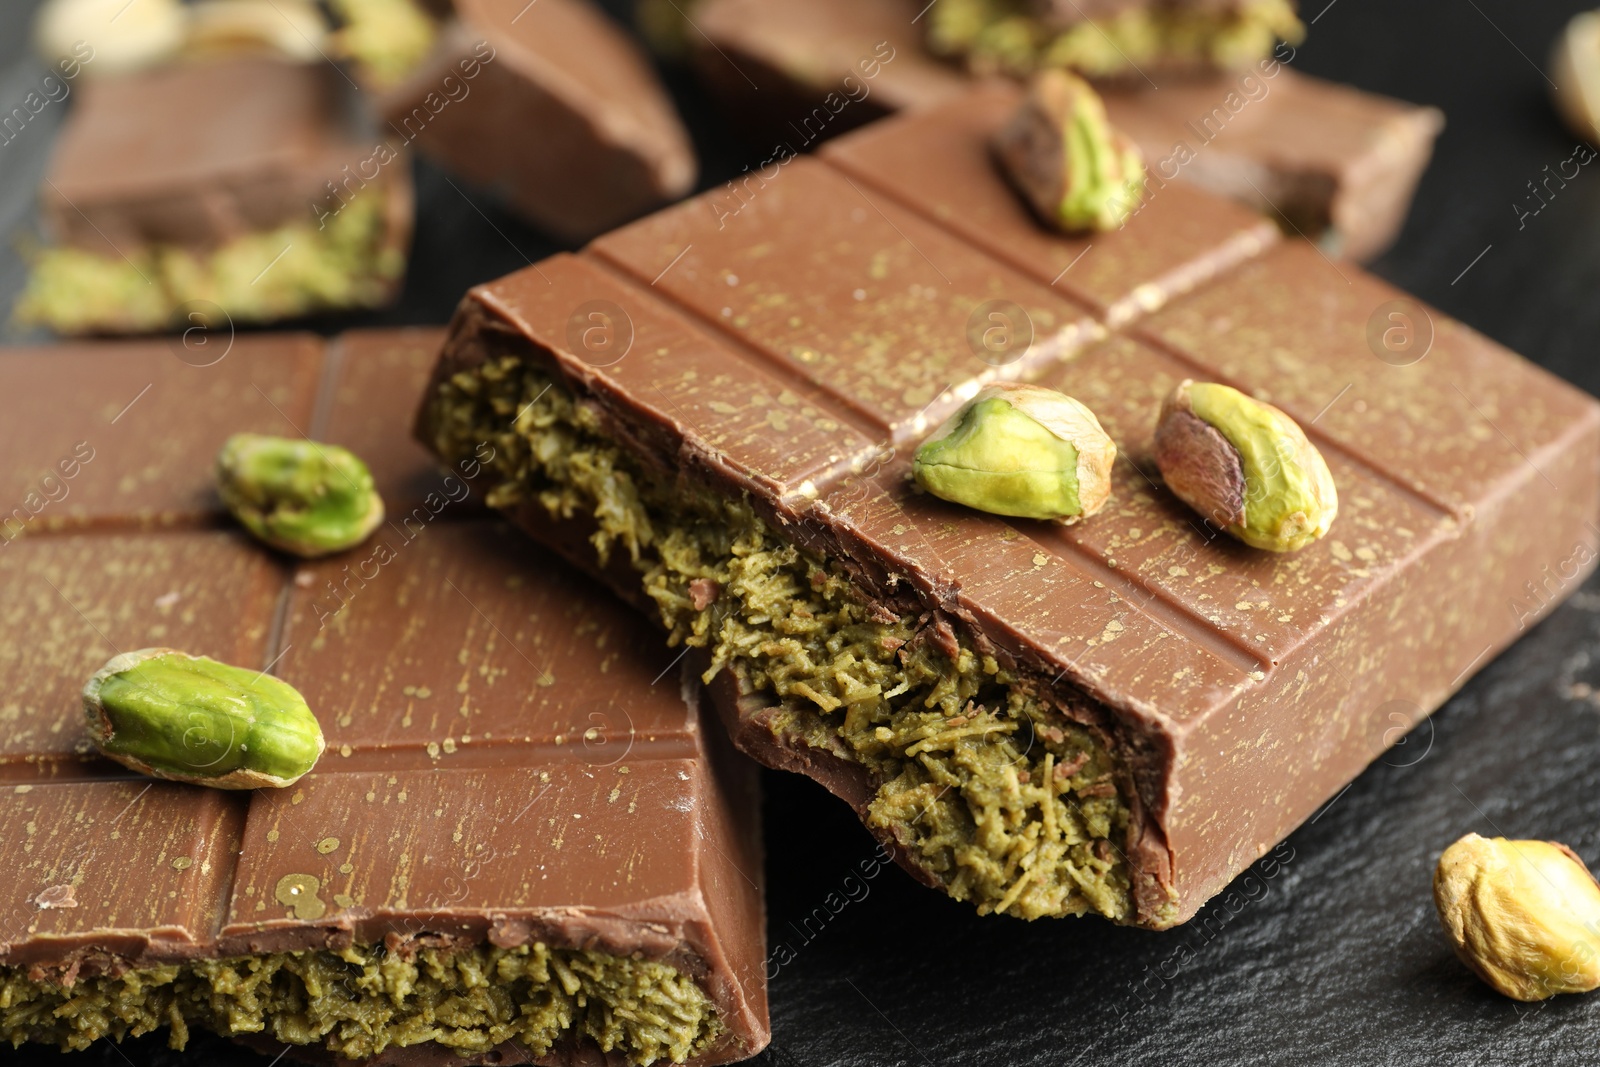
(291, 28)
(302, 497)
(1020, 450)
(191, 719)
(1575, 74)
(1244, 465)
(109, 36)
(1061, 151)
(1524, 915)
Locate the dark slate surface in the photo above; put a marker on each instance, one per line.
(1332, 955)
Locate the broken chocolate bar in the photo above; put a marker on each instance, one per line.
(520, 843)
(214, 191)
(552, 107)
(1333, 163)
(716, 409)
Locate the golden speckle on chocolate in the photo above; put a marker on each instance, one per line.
(298, 892)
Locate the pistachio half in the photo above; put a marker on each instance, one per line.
(1020, 450)
(1524, 915)
(1244, 465)
(188, 718)
(302, 497)
(1061, 151)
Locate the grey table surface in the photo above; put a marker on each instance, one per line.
(1337, 958)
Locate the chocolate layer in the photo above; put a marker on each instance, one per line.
(1339, 164)
(520, 844)
(785, 359)
(554, 108)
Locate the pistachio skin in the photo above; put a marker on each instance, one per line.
(1287, 498)
(1020, 450)
(187, 718)
(1523, 915)
(1080, 174)
(301, 497)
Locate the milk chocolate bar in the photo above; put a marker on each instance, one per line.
(715, 409)
(521, 845)
(1333, 163)
(551, 106)
(212, 191)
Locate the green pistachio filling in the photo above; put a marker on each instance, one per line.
(387, 39)
(994, 791)
(296, 269)
(1004, 35)
(358, 1002)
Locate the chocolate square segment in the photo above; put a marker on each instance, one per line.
(94, 442)
(1117, 715)
(488, 655)
(72, 603)
(139, 869)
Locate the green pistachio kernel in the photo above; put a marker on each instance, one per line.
(1020, 450)
(1245, 465)
(302, 497)
(1079, 173)
(191, 719)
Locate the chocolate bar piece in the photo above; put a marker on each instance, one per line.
(1333, 163)
(520, 844)
(716, 411)
(799, 74)
(1329, 161)
(554, 108)
(230, 189)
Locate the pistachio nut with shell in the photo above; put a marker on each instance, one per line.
(1244, 465)
(1079, 173)
(303, 497)
(1575, 75)
(1020, 450)
(1523, 915)
(187, 718)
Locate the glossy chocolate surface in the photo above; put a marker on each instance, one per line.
(512, 756)
(1246, 688)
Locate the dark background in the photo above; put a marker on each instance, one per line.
(1340, 959)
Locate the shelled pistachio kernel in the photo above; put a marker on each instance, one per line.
(1523, 915)
(302, 497)
(1079, 173)
(187, 718)
(1244, 465)
(1020, 450)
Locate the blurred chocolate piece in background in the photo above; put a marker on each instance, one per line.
(1330, 162)
(235, 189)
(553, 107)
